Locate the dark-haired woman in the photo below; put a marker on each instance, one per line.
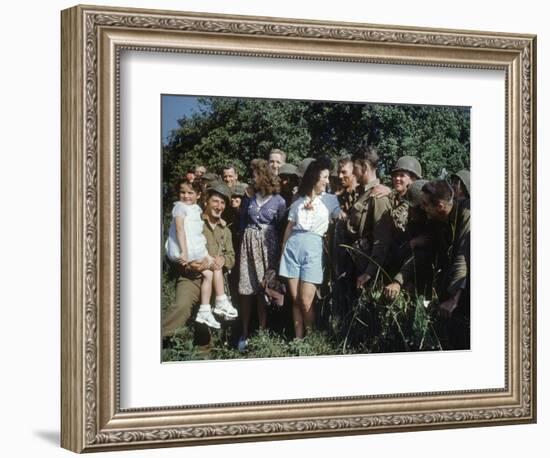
(262, 213)
(302, 259)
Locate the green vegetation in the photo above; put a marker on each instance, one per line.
(239, 130)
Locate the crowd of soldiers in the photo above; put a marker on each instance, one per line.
(412, 237)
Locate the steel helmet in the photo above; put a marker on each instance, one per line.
(464, 176)
(408, 164)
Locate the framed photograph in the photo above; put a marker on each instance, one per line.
(277, 228)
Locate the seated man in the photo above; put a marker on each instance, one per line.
(219, 246)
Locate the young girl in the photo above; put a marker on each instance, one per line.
(186, 243)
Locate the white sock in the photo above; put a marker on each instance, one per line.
(221, 298)
(205, 308)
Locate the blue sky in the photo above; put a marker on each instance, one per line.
(174, 107)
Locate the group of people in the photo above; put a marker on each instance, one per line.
(276, 240)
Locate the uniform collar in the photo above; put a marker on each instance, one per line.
(221, 222)
(371, 185)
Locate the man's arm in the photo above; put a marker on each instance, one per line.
(381, 234)
(458, 271)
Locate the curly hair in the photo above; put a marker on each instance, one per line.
(313, 174)
(267, 183)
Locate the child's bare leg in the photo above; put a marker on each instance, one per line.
(206, 286)
(217, 281)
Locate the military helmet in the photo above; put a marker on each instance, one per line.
(414, 193)
(408, 164)
(464, 177)
(288, 169)
(239, 190)
(219, 187)
(302, 167)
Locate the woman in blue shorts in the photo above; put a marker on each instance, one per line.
(302, 258)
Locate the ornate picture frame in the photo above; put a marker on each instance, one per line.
(93, 39)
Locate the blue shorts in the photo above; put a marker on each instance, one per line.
(303, 257)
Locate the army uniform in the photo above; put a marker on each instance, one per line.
(370, 226)
(188, 282)
(450, 257)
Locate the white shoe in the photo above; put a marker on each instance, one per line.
(206, 317)
(225, 308)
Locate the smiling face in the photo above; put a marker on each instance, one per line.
(187, 194)
(322, 183)
(215, 205)
(401, 181)
(346, 176)
(230, 177)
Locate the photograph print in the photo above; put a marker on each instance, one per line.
(313, 228)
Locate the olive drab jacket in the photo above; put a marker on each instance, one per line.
(452, 244)
(450, 252)
(219, 242)
(370, 225)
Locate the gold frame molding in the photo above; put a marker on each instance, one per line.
(92, 40)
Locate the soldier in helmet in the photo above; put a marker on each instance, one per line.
(414, 270)
(460, 181)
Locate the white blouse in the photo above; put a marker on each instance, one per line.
(316, 219)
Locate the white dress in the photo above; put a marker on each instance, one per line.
(193, 225)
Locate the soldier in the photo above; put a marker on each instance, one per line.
(460, 181)
(288, 174)
(451, 220)
(219, 246)
(369, 222)
(230, 175)
(340, 258)
(346, 198)
(414, 271)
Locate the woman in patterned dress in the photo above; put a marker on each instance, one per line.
(261, 215)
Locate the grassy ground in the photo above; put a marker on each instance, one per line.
(345, 325)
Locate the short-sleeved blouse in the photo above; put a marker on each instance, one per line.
(316, 219)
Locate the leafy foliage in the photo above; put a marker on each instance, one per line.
(237, 130)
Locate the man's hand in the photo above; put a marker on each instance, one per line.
(392, 290)
(182, 260)
(199, 266)
(362, 280)
(380, 191)
(218, 262)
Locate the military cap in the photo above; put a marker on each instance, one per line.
(239, 190)
(408, 164)
(464, 176)
(288, 169)
(219, 187)
(302, 167)
(414, 193)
